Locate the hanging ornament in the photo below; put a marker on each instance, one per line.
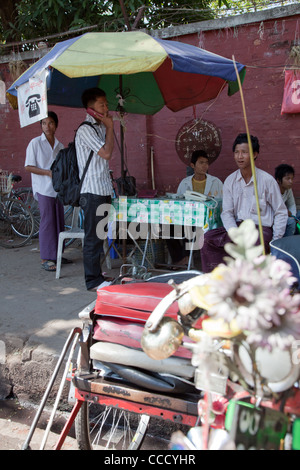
(198, 134)
(2, 92)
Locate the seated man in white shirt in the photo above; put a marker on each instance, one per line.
(239, 203)
(284, 175)
(201, 182)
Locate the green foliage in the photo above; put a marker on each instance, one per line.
(29, 19)
(42, 18)
(239, 7)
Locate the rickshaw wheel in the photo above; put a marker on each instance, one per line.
(100, 427)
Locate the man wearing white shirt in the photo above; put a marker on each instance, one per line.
(40, 154)
(201, 181)
(239, 203)
(284, 175)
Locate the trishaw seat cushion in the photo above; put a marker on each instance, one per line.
(127, 333)
(119, 354)
(134, 301)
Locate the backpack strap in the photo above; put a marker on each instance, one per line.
(90, 155)
(86, 168)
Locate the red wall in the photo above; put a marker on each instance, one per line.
(263, 47)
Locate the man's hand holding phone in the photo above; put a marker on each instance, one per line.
(107, 120)
(94, 113)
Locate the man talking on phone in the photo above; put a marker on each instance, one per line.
(97, 186)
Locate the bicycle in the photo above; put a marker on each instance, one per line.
(25, 195)
(16, 219)
(154, 349)
(117, 389)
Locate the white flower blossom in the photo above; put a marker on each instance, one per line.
(256, 293)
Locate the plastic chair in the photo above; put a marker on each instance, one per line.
(74, 232)
(288, 249)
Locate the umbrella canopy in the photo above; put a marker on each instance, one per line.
(140, 74)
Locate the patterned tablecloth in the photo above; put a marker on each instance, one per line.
(205, 215)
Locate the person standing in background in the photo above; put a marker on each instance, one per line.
(284, 175)
(40, 154)
(97, 187)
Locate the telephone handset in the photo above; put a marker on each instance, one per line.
(94, 113)
(32, 102)
(195, 196)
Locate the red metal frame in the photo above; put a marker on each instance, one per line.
(139, 408)
(292, 406)
(174, 416)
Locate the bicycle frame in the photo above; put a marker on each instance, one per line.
(88, 386)
(17, 223)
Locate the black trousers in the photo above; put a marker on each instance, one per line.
(176, 247)
(93, 236)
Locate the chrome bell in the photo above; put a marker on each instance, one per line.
(164, 341)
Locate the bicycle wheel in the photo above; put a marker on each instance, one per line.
(16, 223)
(26, 196)
(100, 427)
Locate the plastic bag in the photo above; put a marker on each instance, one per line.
(291, 94)
(126, 186)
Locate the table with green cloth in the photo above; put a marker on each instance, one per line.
(167, 211)
(163, 211)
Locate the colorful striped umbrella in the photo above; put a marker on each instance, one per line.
(139, 73)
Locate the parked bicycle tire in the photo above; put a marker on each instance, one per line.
(16, 223)
(99, 427)
(26, 196)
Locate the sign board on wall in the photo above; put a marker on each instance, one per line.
(291, 93)
(32, 100)
(2, 92)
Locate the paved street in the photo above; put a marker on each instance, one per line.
(15, 422)
(37, 313)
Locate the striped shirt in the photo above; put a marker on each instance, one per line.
(97, 179)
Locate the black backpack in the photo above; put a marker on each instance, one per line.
(65, 173)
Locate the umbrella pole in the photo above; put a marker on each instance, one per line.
(261, 234)
(124, 241)
(122, 148)
(121, 110)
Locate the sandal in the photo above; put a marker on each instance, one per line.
(49, 265)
